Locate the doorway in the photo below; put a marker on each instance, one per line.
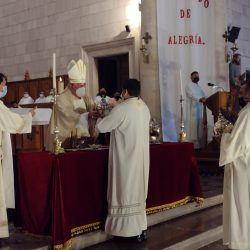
(113, 71)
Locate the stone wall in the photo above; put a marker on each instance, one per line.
(239, 15)
(31, 30)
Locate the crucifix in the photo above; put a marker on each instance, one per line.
(226, 35)
(146, 37)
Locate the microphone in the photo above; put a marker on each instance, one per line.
(215, 86)
(210, 84)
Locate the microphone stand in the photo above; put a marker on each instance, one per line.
(215, 86)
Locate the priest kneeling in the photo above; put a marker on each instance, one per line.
(128, 170)
(235, 155)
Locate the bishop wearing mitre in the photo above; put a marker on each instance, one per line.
(72, 111)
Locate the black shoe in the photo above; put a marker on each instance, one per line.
(138, 238)
(144, 235)
(133, 239)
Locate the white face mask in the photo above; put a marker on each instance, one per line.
(80, 92)
(3, 92)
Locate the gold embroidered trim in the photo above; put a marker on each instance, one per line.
(97, 225)
(64, 246)
(181, 202)
(86, 228)
(76, 231)
(199, 200)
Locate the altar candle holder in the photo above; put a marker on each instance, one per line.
(182, 134)
(57, 143)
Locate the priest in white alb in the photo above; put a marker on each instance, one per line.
(235, 155)
(194, 103)
(9, 123)
(128, 170)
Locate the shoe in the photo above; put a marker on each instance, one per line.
(137, 239)
(144, 235)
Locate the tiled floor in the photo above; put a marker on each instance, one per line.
(159, 236)
(215, 246)
(21, 240)
(168, 233)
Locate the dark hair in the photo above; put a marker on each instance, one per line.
(194, 72)
(133, 87)
(247, 85)
(117, 96)
(2, 77)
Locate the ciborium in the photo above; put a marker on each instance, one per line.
(154, 131)
(222, 126)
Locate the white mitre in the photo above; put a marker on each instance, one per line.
(77, 71)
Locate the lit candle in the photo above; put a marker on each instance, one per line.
(60, 85)
(54, 71)
(181, 84)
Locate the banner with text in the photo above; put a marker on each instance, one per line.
(189, 39)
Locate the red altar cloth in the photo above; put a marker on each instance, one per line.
(65, 195)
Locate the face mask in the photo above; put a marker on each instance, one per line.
(196, 79)
(3, 92)
(102, 93)
(80, 92)
(117, 98)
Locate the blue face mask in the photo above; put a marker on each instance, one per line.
(3, 92)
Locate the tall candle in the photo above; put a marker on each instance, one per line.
(181, 84)
(54, 71)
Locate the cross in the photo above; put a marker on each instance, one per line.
(226, 35)
(146, 37)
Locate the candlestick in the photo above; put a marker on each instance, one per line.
(181, 84)
(54, 71)
(182, 134)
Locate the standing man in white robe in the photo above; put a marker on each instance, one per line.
(9, 123)
(235, 155)
(194, 116)
(128, 172)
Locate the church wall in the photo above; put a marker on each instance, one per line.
(149, 73)
(239, 15)
(32, 30)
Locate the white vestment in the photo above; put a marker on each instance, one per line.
(26, 100)
(41, 100)
(69, 121)
(194, 114)
(128, 171)
(9, 123)
(235, 155)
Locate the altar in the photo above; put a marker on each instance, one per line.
(65, 195)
